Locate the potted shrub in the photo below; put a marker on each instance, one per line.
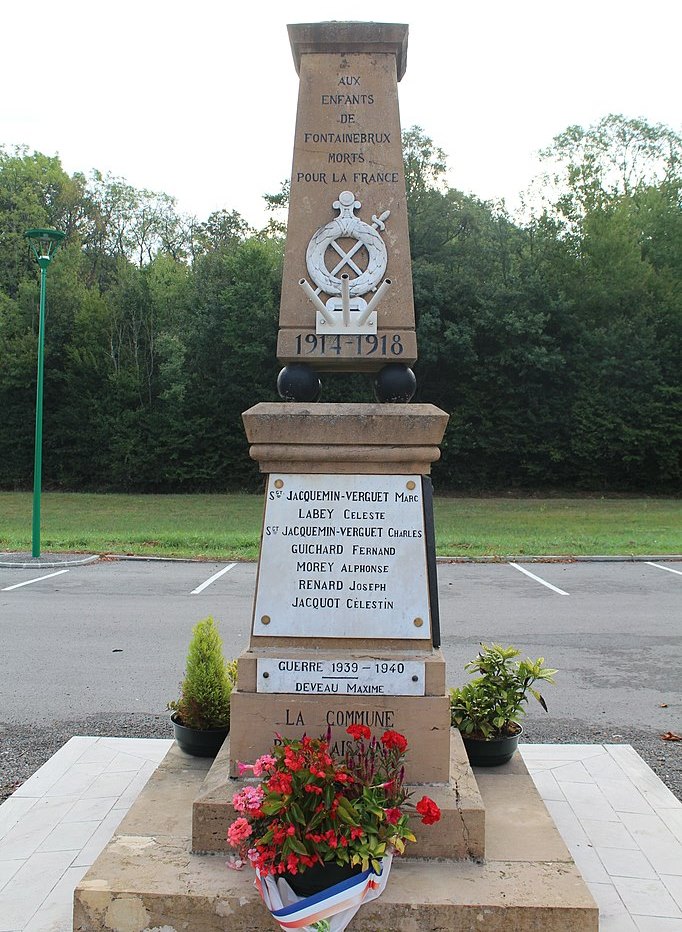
(201, 716)
(327, 827)
(488, 708)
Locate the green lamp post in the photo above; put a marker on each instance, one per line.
(44, 244)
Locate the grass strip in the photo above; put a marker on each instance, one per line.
(227, 527)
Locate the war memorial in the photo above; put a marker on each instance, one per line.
(346, 625)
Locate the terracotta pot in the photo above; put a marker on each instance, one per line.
(200, 742)
(494, 751)
(320, 877)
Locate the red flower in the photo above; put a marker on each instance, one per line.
(392, 815)
(358, 731)
(343, 778)
(428, 810)
(280, 783)
(292, 760)
(393, 739)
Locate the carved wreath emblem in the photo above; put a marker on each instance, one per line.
(348, 226)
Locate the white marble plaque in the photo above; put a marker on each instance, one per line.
(355, 677)
(343, 557)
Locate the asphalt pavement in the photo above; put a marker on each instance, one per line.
(101, 646)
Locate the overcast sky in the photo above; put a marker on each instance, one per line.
(199, 99)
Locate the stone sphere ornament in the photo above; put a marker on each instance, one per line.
(298, 382)
(395, 383)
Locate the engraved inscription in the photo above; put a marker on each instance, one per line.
(343, 556)
(352, 108)
(358, 677)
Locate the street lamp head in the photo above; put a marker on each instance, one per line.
(44, 244)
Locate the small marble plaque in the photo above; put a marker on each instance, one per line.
(343, 556)
(356, 677)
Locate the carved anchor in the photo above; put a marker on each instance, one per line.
(347, 226)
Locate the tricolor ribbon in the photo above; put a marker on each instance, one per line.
(341, 901)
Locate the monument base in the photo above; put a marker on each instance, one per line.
(459, 834)
(147, 877)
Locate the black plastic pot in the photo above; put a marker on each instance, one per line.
(204, 742)
(320, 877)
(493, 752)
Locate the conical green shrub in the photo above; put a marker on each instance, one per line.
(205, 691)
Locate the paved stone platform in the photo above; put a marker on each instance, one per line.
(622, 826)
(147, 878)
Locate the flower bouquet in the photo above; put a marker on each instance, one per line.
(325, 829)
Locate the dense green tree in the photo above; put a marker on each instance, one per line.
(230, 359)
(519, 326)
(554, 344)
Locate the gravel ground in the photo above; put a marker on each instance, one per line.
(24, 748)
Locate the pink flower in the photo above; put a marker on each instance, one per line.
(242, 768)
(238, 832)
(264, 764)
(249, 799)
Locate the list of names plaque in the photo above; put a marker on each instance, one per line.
(343, 557)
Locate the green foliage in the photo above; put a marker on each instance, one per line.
(555, 344)
(521, 328)
(616, 158)
(205, 691)
(491, 705)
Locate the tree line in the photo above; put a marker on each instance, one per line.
(553, 339)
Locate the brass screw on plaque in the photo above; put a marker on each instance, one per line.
(265, 620)
(279, 484)
(415, 679)
(266, 675)
(410, 485)
(418, 622)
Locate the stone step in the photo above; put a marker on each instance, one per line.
(423, 720)
(459, 834)
(148, 878)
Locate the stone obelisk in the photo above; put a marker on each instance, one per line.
(345, 625)
(347, 210)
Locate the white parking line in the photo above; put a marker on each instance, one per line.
(213, 578)
(29, 582)
(537, 579)
(668, 569)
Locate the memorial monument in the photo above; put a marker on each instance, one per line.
(345, 626)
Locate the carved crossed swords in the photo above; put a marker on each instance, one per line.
(347, 257)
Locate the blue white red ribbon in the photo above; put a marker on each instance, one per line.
(331, 910)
